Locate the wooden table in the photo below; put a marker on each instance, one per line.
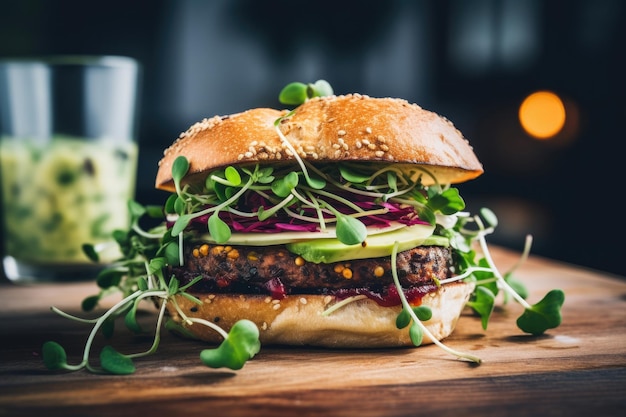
(577, 369)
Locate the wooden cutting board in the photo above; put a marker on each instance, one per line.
(579, 367)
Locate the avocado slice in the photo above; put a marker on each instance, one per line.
(375, 246)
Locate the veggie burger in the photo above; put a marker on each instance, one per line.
(332, 224)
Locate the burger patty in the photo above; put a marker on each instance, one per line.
(273, 269)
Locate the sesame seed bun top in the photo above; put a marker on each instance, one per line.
(327, 129)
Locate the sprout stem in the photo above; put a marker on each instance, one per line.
(501, 281)
(408, 308)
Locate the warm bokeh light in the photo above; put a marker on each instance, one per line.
(542, 114)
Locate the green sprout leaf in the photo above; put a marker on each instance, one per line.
(135, 210)
(282, 187)
(116, 363)
(218, 229)
(169, 206)
(352, 176)
(108, 278)
(350, 230)
(316, 183)
(423, 313)
(90, 251)
(54, 356)
(172, 253)
(293, 94)
(321, 88)
(232, 175)
(180, 224)
(297, 93)
(180, 167)
(90, 302)
(179, 206)
(490, 217)
(544, 315)
(483, 303)
(156, 264)
(241, 345)
(448, 202)
(416, 334)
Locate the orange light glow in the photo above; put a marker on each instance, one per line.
(542, 114)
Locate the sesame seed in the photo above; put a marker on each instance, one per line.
(303, 300)
(268, 300)
(371, 146)
(379, 154)
(248, 154)
(368, 130)
(327, 299)
(264, 326)
(341, 132)
(276, 306)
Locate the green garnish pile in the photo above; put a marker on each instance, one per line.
(140, 274)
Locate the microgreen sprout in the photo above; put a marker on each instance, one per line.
(242, 338)
(140, 276)
(418, 329)
(297, 93)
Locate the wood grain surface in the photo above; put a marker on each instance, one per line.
(577, 369)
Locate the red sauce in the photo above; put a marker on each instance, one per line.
(390, 297)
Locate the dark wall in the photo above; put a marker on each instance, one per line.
(472, 61)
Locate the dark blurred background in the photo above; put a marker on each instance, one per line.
(473, 61)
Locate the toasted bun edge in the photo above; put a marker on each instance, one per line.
(327, 129)
(298, 320)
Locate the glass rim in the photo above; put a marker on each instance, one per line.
(113, 61)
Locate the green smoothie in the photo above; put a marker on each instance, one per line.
(63, 193)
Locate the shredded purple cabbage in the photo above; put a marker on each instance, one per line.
(281, 221)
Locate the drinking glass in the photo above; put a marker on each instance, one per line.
(68, 161)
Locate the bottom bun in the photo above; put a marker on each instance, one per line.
(298, 319)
